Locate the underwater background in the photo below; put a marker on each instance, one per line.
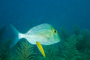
(71, 18)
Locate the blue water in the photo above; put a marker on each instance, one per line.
(24, 14)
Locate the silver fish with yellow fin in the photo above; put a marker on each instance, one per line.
(43, 34)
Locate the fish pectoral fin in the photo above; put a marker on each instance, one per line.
(40, 48)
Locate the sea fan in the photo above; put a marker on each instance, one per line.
(24, 52)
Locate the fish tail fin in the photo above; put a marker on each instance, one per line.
(17, 37)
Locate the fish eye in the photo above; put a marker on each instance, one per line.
(54, 31)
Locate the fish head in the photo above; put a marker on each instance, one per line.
(52, 36)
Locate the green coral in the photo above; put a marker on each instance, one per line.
(24, 52)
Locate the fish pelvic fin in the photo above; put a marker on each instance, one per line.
(40, 48)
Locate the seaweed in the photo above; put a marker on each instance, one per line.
(84, 44)
(83, 40)
(4, 50)
(74, 47)
(50, 53)
(63, 34)
(69, 49)
(86, 54)
(24, 52)
(76, 30)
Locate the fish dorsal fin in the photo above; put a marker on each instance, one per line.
(40, 48)
(38, 28)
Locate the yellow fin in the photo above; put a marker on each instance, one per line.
(40, 48)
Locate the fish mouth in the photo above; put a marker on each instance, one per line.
(58, 39)
(56, 42)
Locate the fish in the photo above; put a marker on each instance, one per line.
(43, 34)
